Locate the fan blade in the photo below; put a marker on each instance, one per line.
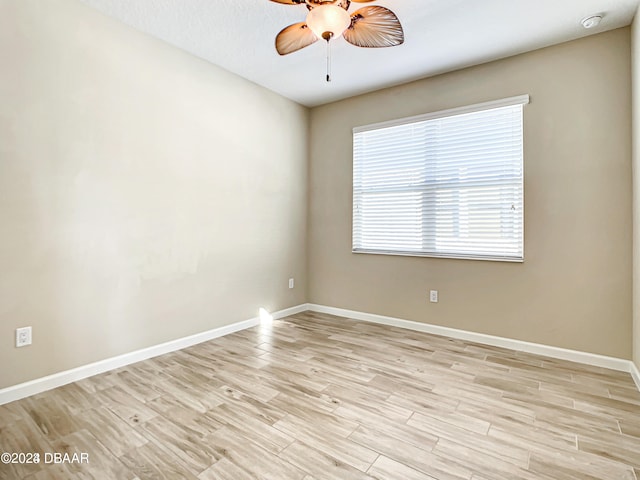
(289, 2)
(374, 27)
(294, 37)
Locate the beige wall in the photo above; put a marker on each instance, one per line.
(635, 75)
(145, 195)
(574, 288)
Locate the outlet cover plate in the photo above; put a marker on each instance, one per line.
(23, 336)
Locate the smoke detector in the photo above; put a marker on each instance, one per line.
(591, 21)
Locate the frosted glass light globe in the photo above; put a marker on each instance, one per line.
(326, 19)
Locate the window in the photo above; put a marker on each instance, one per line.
(445, 184)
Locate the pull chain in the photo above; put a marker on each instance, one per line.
(328, 61)
(328, 36)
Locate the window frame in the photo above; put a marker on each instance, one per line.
(521, 100)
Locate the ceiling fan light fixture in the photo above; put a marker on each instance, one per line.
(328, 21)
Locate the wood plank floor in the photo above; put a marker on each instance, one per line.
(320, 397)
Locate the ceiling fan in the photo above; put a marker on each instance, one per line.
(370, 27)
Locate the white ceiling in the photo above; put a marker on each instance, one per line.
(440, 36)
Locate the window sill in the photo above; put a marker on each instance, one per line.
(443, 255)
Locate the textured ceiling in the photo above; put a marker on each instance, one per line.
(441, 35)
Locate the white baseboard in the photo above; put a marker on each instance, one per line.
(612, 363)
(635, 374)
(22, 390)
(303, 307)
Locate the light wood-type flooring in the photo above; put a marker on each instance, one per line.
(321, 397)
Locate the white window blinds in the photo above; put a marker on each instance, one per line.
(446, 184)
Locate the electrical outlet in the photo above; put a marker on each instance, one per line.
(433, 296)
(291, 283)
(23, 336)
